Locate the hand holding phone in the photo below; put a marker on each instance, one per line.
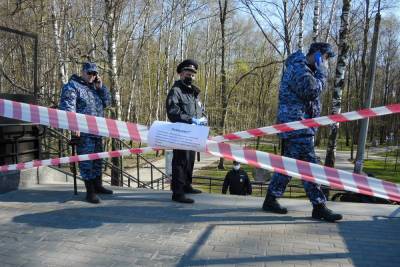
(321, 70)
(318, 59)
(98, 82)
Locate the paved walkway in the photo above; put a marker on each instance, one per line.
(342, 159)
(49, 226)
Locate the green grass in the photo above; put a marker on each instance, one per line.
(377, 168)
(341, 145)
(392, 153)
(265, 148)
(213, 172)
(130, 161)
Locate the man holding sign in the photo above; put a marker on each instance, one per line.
(183, 105)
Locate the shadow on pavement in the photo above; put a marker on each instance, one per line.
(92, 217)
(369, 243)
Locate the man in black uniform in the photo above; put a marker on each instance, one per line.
(237, 181)
(183, 105)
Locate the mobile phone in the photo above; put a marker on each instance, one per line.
(96, 79)
(318, 58)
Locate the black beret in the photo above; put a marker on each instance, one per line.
(324, 48)
(187, 64)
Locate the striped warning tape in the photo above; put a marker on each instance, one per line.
(309, 123)
(73, 121)
(296, 168)
(331, 177)
(77, 158)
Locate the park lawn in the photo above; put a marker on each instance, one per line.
(341, 145)
(376, 167)
(213, 172)
(392, 153)
(265, 148)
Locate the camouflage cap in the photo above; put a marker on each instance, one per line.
(89, 67)
(324, 48)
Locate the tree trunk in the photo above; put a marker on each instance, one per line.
(286, 28)
(301, 23)
(328, 29)
(167, 49)
(224, 100)
(110, 18)
(372, 69)
(92, 51)
(316, 20)
(57, 43)
(364, 54)
(339, 81)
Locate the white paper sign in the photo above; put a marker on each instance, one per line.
(178, 136)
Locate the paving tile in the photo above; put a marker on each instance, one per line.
(147, 229)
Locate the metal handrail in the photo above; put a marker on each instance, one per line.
(152, 166)
(127, 175)
(54, 133)
(71, 174)
(216, 182)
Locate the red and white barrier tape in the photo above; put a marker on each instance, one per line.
(331, 177)
(73, 121)
(307, 171)
(131, 131)
(296, 168)
(308, 123)
(77, 158)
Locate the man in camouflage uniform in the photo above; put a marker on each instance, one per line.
(183, 105)
(302, 83)
(87, 94)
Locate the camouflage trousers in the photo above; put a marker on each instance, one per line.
(301, 149)
(90, 169)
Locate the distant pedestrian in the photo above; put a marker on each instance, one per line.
(183, 105)
(87, 94)
(237, 181)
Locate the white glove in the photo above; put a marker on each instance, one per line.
(203, 121)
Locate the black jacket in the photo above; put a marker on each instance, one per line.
(183, 103)
(238, 183)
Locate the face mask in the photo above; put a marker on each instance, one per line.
(236, 167)
(188, 80)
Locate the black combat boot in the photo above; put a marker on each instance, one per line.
(99, 189)
(190, 190)
(90, 193)
(181, 198)
(272, 205)
(321, 212)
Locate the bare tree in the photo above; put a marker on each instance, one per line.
(358, 166)
(62, 72)
(301, 24)
(111, 18)
(329, 26)
(339, 81)
(316, 20)
(223, 6)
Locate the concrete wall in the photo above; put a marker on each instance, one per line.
(13, 180)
